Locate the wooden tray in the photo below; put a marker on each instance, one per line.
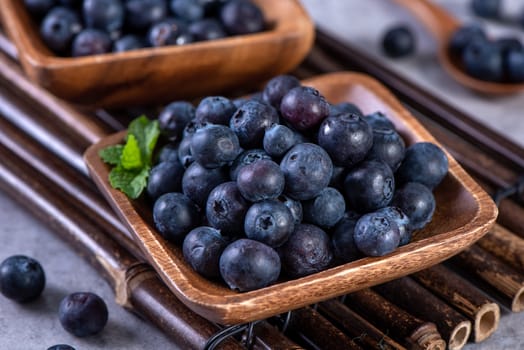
(464, 214)
(159, 75)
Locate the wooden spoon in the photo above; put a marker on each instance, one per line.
(442, 25)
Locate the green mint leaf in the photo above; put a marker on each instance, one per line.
(152, 132)
(111, 154)
(131, 155)
(131, 182)
(146, 133)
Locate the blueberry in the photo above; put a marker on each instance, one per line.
(463, 36)
(22, 278)
(39, 8)
(198, 182)
(174, 117)
(174, 215)
(326, 209)
(246, 157)
(251, 121)
(188, 10)
(206, 29)
(261, 180)
(344, 108)
(270, 222)
(242, 17)
(184, 152)
(401, 220)
(369, 186)
(58, 29)
(61, 347)
(83, 314)
(425, 163)
(347, 138)
(141, 14)
(165, 32)
(308, 250)
(417, 202)
(74, 4)
(226, 208)
(277, 87)
(388, 147)
(167, 153)
(127, 43)
(164, 177)
(214, 146)
(376, 235)
(294, 206)
(486, 8)
(304, 107)
(215, 110)
(379, 120)
(483, 59)
(515, 66)
(307, 170)
(398, 41)
(278, 139)
(107, 15)
(91, 42)
(344, 247)
(247, 265)
(202, 248)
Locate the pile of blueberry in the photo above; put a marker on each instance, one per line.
(284, 184)
(89, 27)
(22, 279)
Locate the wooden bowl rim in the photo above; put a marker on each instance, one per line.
(229, 307)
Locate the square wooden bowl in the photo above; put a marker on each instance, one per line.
(159, 75)
(464, 214)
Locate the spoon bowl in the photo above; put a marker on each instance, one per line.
(442, 25)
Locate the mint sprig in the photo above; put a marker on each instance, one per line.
(133, 161)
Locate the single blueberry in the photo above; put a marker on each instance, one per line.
(165, 32)
(486, 8)
(202, 248)
(206, 29)
(463, 36)
(398, 41)
(198, 182)
(483, 59)
(304, 107)
(215, 110)
(251, 121)
(308, 250)
(164, 177)
(184, 152)
(261, 180)
(247, 157)
(307, 170)
(61, 347)
(247, 265)
(214, 146)
(326, 209)
(376, 235)
(278, 139)
(188, 10)
(242, 17)
(270, 222)
(106, 15)
(141, 14)
(277, 87)
(83, 314)
(174, 117)
(369, 186)
(22, 278)
(417, 202)
(127, 43)
(167, 153)
(91, 42)
(226, 209)
(58, 29)
(401, 220)
(174, 215)
(344, 247)
(388, 147)
(379, 120)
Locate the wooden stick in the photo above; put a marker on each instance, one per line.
(271, 338)
(363, 332)
(420, 302)
(505, 245)
(496, 273)
(464, 296)
(389, 317)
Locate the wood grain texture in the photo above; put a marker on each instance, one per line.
(464, 214)
(442, 25)
(155, 75)
(505, 245)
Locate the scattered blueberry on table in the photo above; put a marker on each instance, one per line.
(22, 278)
(398, 41)
(285, 184)
(83, 314)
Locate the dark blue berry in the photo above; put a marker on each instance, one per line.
(515, 66)
(464, 36)
(214, 146)
(398, 42)
(106, 15)
(486, 8)
(184, 152)
(58, 29)
(141, 14)
(278, 139)
(270, 222)
(344, 247)
(308, 250)
(369, 186)
(174, 117)
(242, 17)
(388, 147)
(277, 87)
(198, 182)
(483, 59)
(39, 8)
(401, 220)
(307, 170)
(347, 138)
(246, 157)
(376, 235)
(425, 163)
(247, 265)
(164, 177)
(188, 10)
(83, 314)
(168, 153)
(378, 120)
(304, 107)
(344, 108)
(127, 43)
(174, 215)
(326, 209)
(294, 206)
(261, 180)
(202, 248)
(206, 29)
(91, 42)
(226, 209)
(165, 32)
(22, 278)
(251, 121)
(61, 347)
(417, 202)
(215, 110)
